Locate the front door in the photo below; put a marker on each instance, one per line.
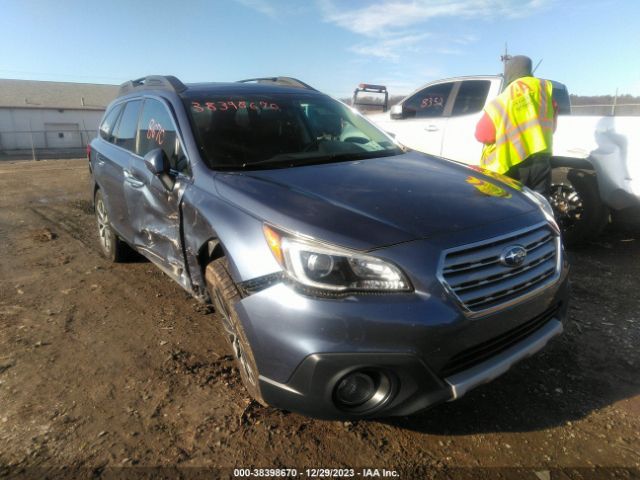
(153, 202)
(425, 116)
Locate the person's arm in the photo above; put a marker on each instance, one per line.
(485, 130)
(555, 115)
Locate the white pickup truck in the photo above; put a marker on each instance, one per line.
(596, 159)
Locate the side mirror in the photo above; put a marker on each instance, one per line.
(157, 162)
(396, 112)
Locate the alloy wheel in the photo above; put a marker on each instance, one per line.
(104, 231)
(234, 339)
(567, 204)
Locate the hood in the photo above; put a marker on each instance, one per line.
(372, 203)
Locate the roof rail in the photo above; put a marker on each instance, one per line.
(282, 81)
(158, 82)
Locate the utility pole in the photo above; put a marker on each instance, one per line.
(504, 59)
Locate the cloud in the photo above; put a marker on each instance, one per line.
(262, 6)
(396, 28)
(465, 39)
(389, 48)
(393, 16)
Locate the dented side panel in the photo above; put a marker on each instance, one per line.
(154, 211)
(206, 216)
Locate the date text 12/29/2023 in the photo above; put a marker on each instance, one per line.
(315, 472)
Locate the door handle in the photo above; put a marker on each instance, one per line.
(132, 180)
(100, 160)
(431, 128)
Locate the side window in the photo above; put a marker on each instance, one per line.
(471, 97)
(429, 102)
(106, 127)
(561, 96)
(157, 131)
(125, 135)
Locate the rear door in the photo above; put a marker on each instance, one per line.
(119, 159)
(459, 142)
(101, 166)
(154, 205)
(109, 163)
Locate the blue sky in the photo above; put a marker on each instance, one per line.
(591, 45)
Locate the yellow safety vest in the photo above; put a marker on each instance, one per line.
(523, 118)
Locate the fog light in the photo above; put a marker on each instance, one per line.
(365, 391)
(355, 389)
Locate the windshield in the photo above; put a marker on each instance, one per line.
(281, 130)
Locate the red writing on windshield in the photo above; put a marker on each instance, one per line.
(155, 132)
(233, 105)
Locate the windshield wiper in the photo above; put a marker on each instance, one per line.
(296, 160)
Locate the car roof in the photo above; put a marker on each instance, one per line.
(194, 89)
(168, 85)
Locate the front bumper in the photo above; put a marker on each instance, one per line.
(431, 349)
(310, 389)
(461, 383)
(421, 378)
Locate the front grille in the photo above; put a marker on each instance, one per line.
(483, 351)
(480, 281)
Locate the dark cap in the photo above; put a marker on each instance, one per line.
(517, 67)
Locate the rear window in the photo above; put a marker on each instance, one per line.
(125, 135)
(471, 97)
(110, 119)
(244, 131)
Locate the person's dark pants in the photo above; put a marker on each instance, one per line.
(534, 172)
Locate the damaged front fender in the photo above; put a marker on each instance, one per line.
(207, 218)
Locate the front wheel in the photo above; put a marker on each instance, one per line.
(575, 199)
(225, 295)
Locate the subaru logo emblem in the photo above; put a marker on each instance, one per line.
(513, 256)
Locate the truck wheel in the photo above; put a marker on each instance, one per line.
(111, 246)
(225, 295)
(626, 220)
(576, 201)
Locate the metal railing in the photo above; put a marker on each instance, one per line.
(39, 144)
(613, 109)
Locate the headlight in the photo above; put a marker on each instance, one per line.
(325, 267)
(544, 205)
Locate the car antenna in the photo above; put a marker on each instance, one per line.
(536, 67)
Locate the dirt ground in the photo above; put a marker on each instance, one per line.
(109, 369)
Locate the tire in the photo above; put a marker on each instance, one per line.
(225, 295)
(111, 247)
(575, 199)
(627, 220)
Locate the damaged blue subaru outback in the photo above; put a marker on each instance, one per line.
(352, 277)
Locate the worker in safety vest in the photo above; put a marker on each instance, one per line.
(517, 128)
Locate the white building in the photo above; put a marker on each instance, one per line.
(50, 118)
